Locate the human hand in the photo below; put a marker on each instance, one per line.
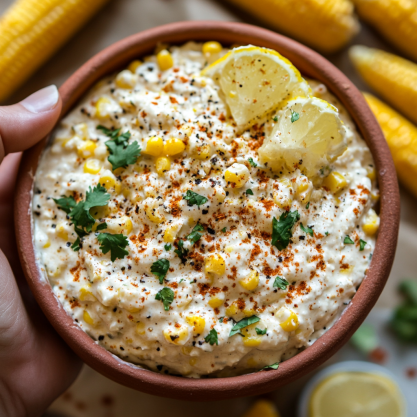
(35, 364)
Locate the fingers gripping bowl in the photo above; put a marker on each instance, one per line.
(311, 65)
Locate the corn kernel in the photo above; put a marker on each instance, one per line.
(176, 335)
(251, 363)
(288, 320)
(92, 166)
(232, 94)
(120, 225)
(203, 152)
(86, 295)
(248, 312)
(133, 309)
(173, 146)
(164, 59)
(153, 215)
(87, 318)
(371, 223)
(212, 47)
(108, 180)
(186, 350)
(140, 328)
(375, 196)
(215, 264)
(86, 149)
(170, 233)
(216, 301)
(198, 322)
(125, 79)
(81, 130)
(252, 341)
(237, 174)
(232, 309)
(304, 191)
(134, 65)
(335, 182)
(371, 173)
(102, 107)
(61, 232)
(251, 281)
(154, 146)
(47, 244)
(162, 165)
(193, 361)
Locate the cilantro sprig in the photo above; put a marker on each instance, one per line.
(247, 321)
(194, 198)
(260, 332)
(282, 228)
(252, 163)
(281, 283)
(116, 244)
(181, 251)
(273, 366)
(212, 337)
(160, 269)
(348, 241)
(166, 295)
(195, 234)
(362, 245)
(294, 116)
(308, 230)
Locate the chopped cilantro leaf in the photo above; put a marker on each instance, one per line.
(212, 337)
(294, 116)
(275, 119)
(194, 198)
(115, 244)
(160, 269)
(224, 230)
(281, 229)
(221, 319)
(307, 230)
(76, 245)
(247, 321)
(168, 247)
(109, 132)
(362, 245)
(273, 366)
(166, 295)
(65, 203)
(122, 155)
(326, 233)
(102, 226)
(181, 251)
(281, 283)
(252, 162)
(249, 191)
(260, 331)
(348, 241)
(195, 236)
(307, 205)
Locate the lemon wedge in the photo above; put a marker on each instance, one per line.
(347, 394)
(308, 135)
(255, 81)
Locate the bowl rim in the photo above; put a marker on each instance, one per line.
(309, 63)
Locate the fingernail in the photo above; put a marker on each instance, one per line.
(42, 100)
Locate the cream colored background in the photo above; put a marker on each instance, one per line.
(121, 18)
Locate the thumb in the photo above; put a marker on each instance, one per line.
(26, 123)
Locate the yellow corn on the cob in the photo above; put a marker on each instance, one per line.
(394, 78)
(32, 30)
(262, 408)
(326, 25)
(401, 136)
(394, 19)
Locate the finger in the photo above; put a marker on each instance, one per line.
(25, 123)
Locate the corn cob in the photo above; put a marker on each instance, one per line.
(394, 78)
(326, 25)
(32, 30)
(401, 136)
(396, 20)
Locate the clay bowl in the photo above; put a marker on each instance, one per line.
(310, 64)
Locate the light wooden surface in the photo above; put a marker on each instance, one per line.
(121, 18)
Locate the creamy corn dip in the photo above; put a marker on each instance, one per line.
(181, 270)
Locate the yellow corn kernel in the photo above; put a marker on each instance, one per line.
(176, 335)
(133, 309)
(248, 312)
(216, 301)
(212, 47)
(232, 94)
(232, 309)
(335, 182)
(251, 363)
(252, 341)
(186, 350)
(86, 149)
(125, 79)
(153, 215)
(193, 361)
(370, 223)
(215, 264)
(170, 233)
(164, 59)
(134, 65)
(162, 165)
(120, 225)
(109, 181)
(173, 146)
(92, 166)
(304, 191)
(86, 295)
(155, 146)
(140, 328)
(101, 107)
(87, 318)
(375, 196)
(61, 232)
(47, 244)
(371, 173)
(251, 281)
(237, 174)
(198, 323)
(203, 152)
(81, 130)
(288, 320)
(262, 408)
(283, 201)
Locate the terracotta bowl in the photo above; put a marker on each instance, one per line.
(310, 64)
